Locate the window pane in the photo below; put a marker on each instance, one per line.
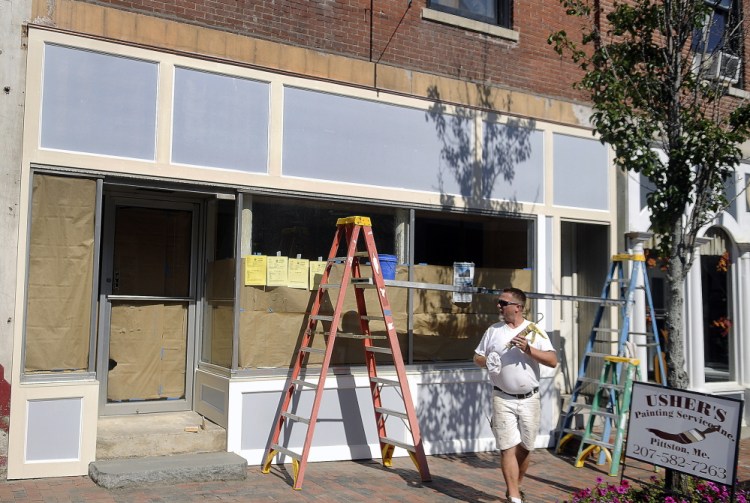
(218, 315)
(220, 121)
(98, 103)
(443, 329)
(61, 262)
(481, 10)
(272, 318)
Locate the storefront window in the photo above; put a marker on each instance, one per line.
(443, 328)
(273, 316)
(498, 248)
(61, 274)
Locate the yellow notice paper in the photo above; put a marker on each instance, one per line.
(255, 270)
(298, 273)
(317, 268)
(277, 273)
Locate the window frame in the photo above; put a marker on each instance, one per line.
(503, 12)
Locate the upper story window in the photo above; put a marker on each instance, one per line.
(718, 46)
(496, 12)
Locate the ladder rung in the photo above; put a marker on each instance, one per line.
(609, 385)
(604, 413)
(307, 349)
(373, 318)
(600, 443)
(648, 345)
(363, 283)
(384, 381)
(396, 443)
(343, 259)
(359, 336)
(391, 412)
(597, 355)
(322, 317)
(304, 384)
(295, 417)
(606, 329)
(578, 433)
(285, 451)
(378, 349)
(621, 281)
(588, 380)
(329, 285)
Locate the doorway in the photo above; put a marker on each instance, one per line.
(147, 305)
(584, 264)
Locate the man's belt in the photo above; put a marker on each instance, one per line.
(520, 397)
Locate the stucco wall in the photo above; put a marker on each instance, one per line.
(13, 15)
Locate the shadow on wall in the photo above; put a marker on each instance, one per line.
(503, 147)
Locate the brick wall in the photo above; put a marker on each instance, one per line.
(392, 32)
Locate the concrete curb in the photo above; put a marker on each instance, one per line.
(135, 472)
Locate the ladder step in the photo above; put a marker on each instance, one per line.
(379, 349)
(329, 285)
(384, 381)
(310, 350)
(373, 318)
(304, 384)
(391, 412)
(605, 329)
(295, 417)
(397, 443)
(590, 380)
(359, 336)
(603, 413)
(285, 451)
(596, 355)
(363, 283)
(600, 443)
(321, 317)
(343, 259)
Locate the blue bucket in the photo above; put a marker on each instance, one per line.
(388, 266)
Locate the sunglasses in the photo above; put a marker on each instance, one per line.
(505, 303)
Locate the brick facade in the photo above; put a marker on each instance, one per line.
(395, 35)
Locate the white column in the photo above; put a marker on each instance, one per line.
(638, 315)
(742, 319)
(695, 358)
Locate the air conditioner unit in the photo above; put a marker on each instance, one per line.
(724, 67)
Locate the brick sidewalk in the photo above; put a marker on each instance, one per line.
(469, 478)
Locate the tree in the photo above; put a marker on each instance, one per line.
(649, 68)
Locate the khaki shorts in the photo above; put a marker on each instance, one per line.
(515, 421)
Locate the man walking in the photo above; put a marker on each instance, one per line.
(511, 351)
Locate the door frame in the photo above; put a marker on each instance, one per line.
(111, 202)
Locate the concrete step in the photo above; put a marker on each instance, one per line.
(136, 472)
(158, 434)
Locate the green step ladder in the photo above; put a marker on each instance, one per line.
(611, 403)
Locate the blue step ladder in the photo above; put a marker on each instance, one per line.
(618, 291)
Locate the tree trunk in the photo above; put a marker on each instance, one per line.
(676, 483)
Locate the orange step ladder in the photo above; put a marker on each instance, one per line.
(348, 232)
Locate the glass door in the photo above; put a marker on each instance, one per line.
(148, 306)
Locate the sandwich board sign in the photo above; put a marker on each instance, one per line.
(693, 433)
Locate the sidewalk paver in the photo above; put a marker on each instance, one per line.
(466, 477)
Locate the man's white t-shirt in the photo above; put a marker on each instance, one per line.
(510, 369)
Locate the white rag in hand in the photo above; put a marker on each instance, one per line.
(494, 363)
